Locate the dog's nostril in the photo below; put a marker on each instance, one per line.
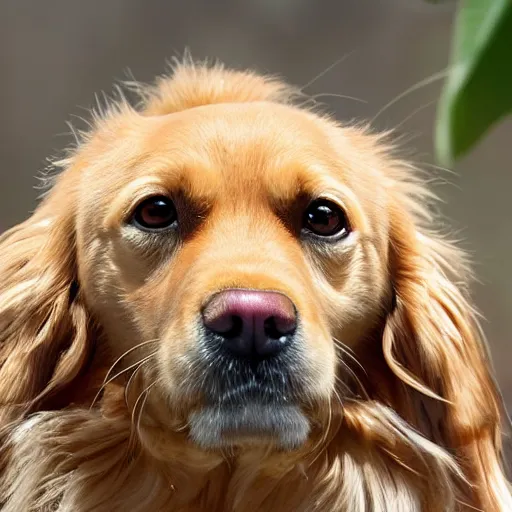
(271, 329)
(236, 328)
(276, 328)
(252, 323)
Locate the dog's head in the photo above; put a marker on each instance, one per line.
(241, 242)
(252, 268)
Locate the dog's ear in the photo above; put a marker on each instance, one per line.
(45, 336)
(432, 342)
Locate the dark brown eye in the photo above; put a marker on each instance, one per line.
(155, 213)
(326, 219)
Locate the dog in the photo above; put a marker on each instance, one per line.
(228, 301)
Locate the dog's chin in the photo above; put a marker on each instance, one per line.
(221, 426)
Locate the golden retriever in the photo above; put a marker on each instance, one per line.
(229, 302)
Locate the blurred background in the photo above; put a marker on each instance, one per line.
(55, 55)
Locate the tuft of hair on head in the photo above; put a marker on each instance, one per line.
(193, 84)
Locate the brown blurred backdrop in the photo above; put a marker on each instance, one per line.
(54, 55)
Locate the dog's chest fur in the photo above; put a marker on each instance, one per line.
(75, 462)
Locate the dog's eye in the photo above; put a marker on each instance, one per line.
(155, 213)
(326, 219)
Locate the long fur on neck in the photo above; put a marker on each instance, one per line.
(87, 460)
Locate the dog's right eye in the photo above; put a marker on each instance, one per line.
(154, 214)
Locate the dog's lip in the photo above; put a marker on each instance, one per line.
(217, 426)
(252, 392)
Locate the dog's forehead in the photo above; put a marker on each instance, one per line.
(232, 126)
(246, 144)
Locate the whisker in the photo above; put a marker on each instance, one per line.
(334, 95)
(355, 377)
(129, 351)
(423, 83)
(413, 113)
(345, 386)
(439, 168)
(142, 405)
(478, 509)
(142, 394)
(327, 430)
(338, 396)
(325, 71)
(105, 383)
(348, 352)
(358, 380)
(346, 347)
(132, 377)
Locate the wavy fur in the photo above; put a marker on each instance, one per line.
(414, 425)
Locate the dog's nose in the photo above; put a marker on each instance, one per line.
(252, 323)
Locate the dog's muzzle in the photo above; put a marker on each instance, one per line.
(251, 368)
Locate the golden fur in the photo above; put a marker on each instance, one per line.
(96, 320)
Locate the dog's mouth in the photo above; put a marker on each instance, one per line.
(247, 402)
(253, 412)
(218, 426)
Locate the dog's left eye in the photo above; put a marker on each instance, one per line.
(155, 213)
(326, 219)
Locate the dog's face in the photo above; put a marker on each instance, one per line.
(246, 246)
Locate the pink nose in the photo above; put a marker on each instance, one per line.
(251, 323)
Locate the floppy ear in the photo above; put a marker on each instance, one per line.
(44, 327)
(432, 342)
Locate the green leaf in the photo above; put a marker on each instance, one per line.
(478, 91)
